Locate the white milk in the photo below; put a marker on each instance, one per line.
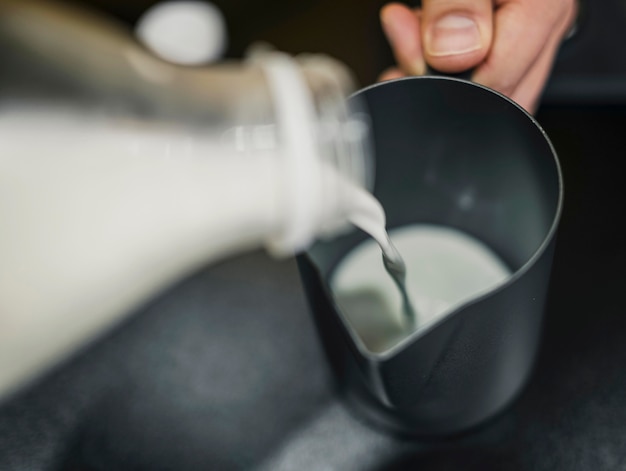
(444, 268)
(366, 212)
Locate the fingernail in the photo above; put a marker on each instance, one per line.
(453, 34)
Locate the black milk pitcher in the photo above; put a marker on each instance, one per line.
(435, 138)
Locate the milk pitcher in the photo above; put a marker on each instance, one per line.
(436, 141)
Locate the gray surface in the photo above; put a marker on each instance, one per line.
(226, 361)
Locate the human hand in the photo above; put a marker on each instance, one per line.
(509, 44)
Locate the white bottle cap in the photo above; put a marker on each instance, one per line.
(186, 33)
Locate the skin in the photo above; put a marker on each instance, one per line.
(509, 44)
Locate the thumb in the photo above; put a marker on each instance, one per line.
(456, 34)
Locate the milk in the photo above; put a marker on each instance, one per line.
(444, 268)
(366, 213)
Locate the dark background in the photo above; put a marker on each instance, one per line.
(590, 68)
(224, 370)
(346, 29)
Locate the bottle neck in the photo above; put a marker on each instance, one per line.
(323, 148)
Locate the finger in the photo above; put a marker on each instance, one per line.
(402, 28)
(528, 90)
(390, 74)
(522, 31)
(456, 34)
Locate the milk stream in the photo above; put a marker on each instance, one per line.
(440, 268)
(368, 214)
